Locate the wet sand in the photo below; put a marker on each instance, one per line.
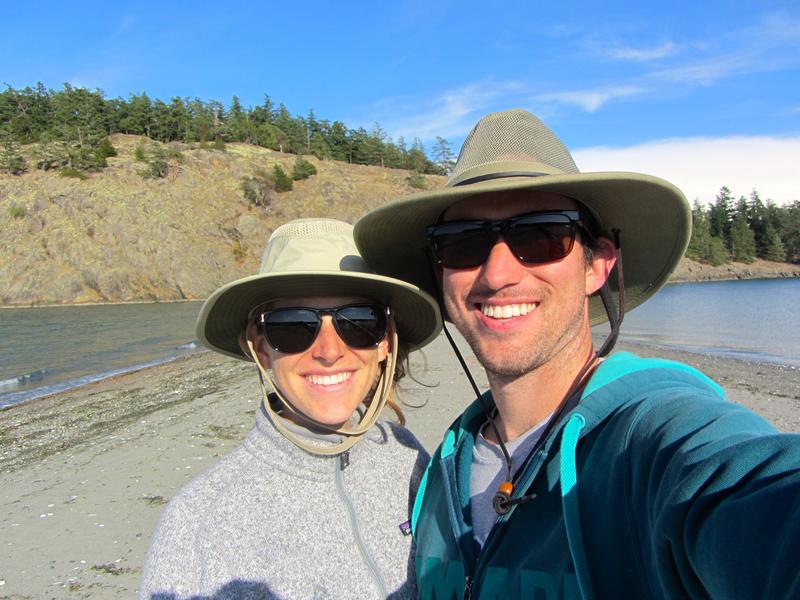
(85, 474)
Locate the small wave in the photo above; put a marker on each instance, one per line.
(6, 383)
(13, 398)
(21, 380)
(189, 346)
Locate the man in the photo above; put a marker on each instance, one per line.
(578, 475)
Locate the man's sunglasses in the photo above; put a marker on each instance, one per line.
(537, 237)
(293, 330)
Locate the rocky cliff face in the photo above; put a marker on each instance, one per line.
(117, 236)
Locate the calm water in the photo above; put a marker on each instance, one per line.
(753, 320)
(43, 350)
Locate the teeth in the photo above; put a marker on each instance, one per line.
(507, 311)
(329, 379)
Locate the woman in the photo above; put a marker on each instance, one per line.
(300, 510)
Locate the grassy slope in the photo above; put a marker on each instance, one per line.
(119, 237)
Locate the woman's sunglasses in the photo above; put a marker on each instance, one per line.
(537, 237)
(293, 330)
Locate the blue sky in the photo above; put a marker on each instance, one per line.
(704, 95)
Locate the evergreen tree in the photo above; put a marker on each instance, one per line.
(375, 154)
(180, 122)
(11, 161)
(772, 245)
(757, 220)
(340, 143)
(417, 161)
(443, 155)
(282, 182)
(790, 235)
(139, 119)
(743, 242)
(703, 247)
(720, 215)
(302, 169)
(237, 126)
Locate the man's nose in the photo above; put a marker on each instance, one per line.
(501, 268)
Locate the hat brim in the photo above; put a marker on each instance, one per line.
(223, 316)
(651, 215)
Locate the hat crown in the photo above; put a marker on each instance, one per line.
(507, 144)
(312, 245)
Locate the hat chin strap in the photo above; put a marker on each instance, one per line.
(352, 435)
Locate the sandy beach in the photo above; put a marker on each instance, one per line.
(86, 473)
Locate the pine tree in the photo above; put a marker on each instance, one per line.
(772, 246)
(282, 182)
(743, 242)
(443, 155)
(11, 161)
(703, 247)
(720, 215)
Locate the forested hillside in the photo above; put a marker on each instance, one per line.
(123, 234)
(139, 199)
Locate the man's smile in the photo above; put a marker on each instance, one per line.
(506, 311)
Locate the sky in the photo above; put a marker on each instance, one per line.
(703, 94)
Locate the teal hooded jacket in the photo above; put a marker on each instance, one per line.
(653, 486)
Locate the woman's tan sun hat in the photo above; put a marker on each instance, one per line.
(306, 258)
(514, 150)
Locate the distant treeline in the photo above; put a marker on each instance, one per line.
(744, 229)
(72, 125)
(70, 129)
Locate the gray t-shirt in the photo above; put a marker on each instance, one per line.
(489, 471)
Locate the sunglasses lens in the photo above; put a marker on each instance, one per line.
(461, 245)
(361, 326)
(291, 330)
(540, 243)
(533, 238)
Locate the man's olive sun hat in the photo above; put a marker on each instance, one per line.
(310, 258)
(514, 150)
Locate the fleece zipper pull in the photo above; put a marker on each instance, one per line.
(467, 588)
(344, 460)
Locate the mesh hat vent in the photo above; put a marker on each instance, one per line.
(514, 137)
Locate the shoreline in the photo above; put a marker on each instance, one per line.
(688, 271)
(88, 471)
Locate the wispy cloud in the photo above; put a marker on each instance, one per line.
(102, 78)
(589, 100)
(643, 54)
(701, 166)
(450, 113)
(772, 43)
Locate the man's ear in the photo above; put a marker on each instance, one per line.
(604, 257)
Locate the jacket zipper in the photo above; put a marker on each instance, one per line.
(501, 519)
(341, 465)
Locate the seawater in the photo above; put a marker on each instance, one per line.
(756, 320)
(50, 349)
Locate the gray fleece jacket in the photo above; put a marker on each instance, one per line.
(273, 521)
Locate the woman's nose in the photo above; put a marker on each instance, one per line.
(328, 346)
